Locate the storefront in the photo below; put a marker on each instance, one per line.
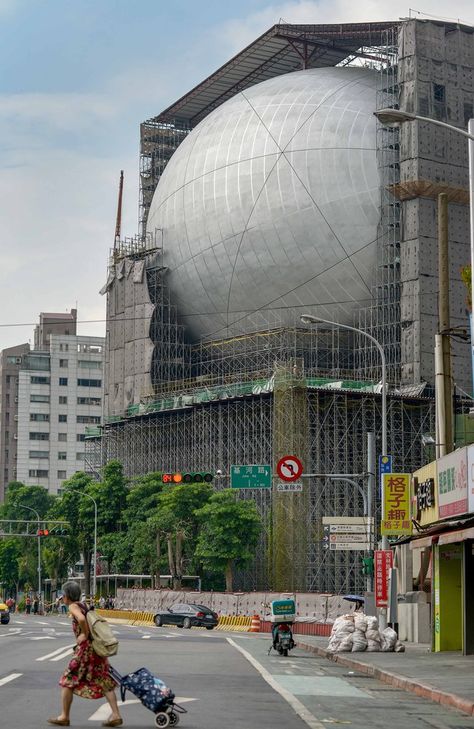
(443, 559)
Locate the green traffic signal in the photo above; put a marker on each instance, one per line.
(368, 566)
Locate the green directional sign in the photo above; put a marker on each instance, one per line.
(251, 477)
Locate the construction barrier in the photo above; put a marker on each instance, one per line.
(255, 625)
(239, 623)
(302, 628)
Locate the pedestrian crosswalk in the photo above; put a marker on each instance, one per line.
(11, 677)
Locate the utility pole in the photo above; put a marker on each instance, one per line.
(370, 493)
(444, 382)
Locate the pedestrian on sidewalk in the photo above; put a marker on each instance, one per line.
(87, 674)
(28, 605)
(35, 605)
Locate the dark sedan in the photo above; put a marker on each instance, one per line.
(185, 615)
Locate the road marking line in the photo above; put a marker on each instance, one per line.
(11, 631)
(39, 622)
(298, 707)
(103, 711)
(19, 622)
(55, 653)
(43, 637)
(146, 637)
(69, 652)
(9, 678)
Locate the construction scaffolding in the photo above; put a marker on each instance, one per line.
(281, 390)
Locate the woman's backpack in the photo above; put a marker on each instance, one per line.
(104, 642)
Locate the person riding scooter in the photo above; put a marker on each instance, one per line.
(281, 628)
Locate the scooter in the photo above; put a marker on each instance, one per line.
(283, 639)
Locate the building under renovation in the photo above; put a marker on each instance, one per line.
(267, 192)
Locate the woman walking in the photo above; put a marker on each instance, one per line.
(87, 674)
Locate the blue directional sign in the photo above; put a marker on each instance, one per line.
(385, 464)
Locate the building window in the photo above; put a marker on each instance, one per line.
(64, 347)
(89, 383)
(7, 436)
(39, 398)
(89, 401)
(63, 381)
(61, 474)
(40, 417)
(63, 362)
(80, 437)
(62, 418)
(88, 419)
(36, 380)
(63, 399)
(80, 456)
(89, 364)
(439, 93)
(37, 473)
(62, 456)
(39, 454)
(62, 437)
(7, 398)
(7, 417)
(7, 379)
(39, 436)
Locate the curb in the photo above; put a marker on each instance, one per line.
(426, 691)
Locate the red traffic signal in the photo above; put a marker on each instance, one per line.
(42, 532)
(188, 477)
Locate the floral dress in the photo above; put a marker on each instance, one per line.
(87, 673)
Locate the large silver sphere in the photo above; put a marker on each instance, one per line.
(272, 203)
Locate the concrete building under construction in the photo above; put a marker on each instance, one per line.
(270, 191)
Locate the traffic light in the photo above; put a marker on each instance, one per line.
(188, 477)
(58, 531)
(42, 532)
(368, 566)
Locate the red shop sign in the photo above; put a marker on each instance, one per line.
(383, 563)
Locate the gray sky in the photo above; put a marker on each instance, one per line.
(77, 79)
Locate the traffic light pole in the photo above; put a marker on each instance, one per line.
(39, 546)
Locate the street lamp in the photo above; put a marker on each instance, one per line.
(81, 493)
(310, 319)
(398, 116)
(39, 546)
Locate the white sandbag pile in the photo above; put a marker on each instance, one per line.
(357, 632)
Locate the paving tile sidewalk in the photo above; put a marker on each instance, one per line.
(447, 678)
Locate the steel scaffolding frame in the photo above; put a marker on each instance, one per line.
(217, 434)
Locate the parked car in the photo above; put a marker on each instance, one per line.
(4, 614)
(185, 615)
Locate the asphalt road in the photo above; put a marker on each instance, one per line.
(223, 679)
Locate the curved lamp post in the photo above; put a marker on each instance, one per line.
(310, 319)
(392, 117)
(39, 545)
(81, 493)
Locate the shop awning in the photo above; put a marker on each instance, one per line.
(423, 542)
(459, 536)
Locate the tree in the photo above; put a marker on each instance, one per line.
(176, 520)
(229, 532)
(79, 512)
(9, 558)
(111, 496)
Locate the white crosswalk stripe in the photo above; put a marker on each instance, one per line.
(11, 677)
(63, 651)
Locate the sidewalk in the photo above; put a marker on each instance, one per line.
(446, 678)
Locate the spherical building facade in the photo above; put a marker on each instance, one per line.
(272, 202)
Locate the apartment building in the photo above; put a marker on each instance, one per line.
(10, 365)
(60, 394)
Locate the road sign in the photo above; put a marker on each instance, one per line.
(294, 487)
(352, 528)
(385, 464)
(289, 468)
(348, 520)
(251, 477)
(346, 546)
(346, 537)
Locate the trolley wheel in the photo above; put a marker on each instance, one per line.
(162, 720)
(174, 718)
(187, 623)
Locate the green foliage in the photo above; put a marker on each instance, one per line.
(9, 569)
(230, 528)
(466, 277)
